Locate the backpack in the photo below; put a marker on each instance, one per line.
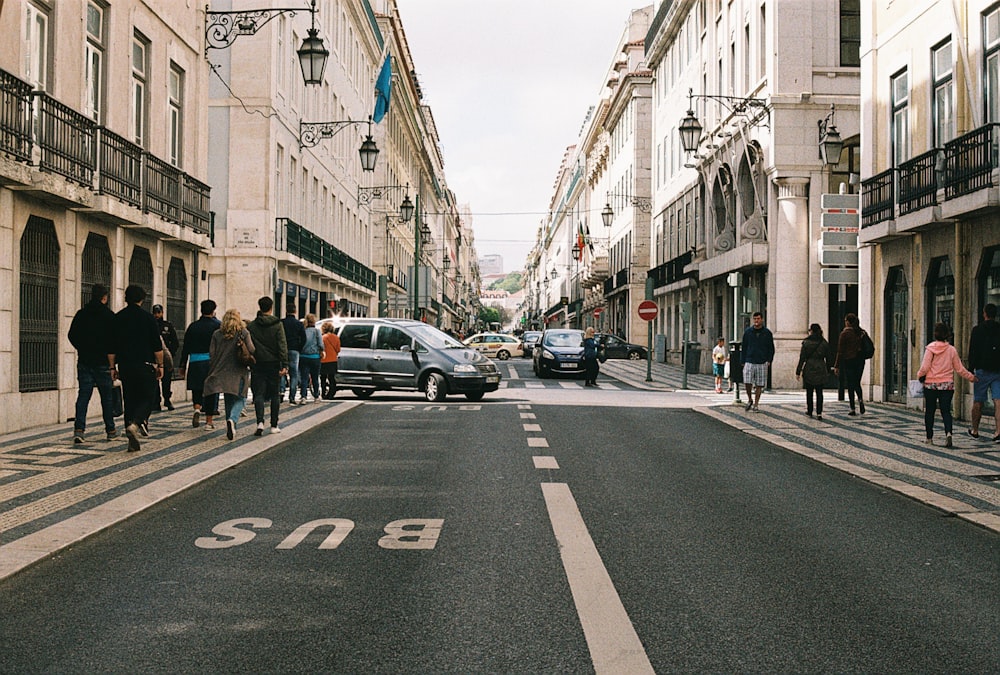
(867, 348)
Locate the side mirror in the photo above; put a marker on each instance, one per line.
(405, 348)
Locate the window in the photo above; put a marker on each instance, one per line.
(940, 294)
(36, 47)
(850, 33)
(900, 118)
(944, 94)
(989, 279)
(93, 59)
(175, 108)
(38, 338)
(991, 47)
(140, 68)
(762, 42)
(140, 270)
(96, 267)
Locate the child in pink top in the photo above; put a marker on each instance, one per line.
(937, 372)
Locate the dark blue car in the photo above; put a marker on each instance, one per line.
(559, 351)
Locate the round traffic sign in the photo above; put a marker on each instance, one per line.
(647, 310)
(598, 311)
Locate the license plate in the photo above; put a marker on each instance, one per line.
(492, 379)
(567, 365)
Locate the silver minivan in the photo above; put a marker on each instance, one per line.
(391, 354)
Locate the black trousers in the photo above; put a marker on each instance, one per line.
(138, 391)
(328, 379)
(265, 383)
(593, 368)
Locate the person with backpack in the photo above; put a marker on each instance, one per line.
(851, 359)
(272, 362)
(937, 374)
(984, 361)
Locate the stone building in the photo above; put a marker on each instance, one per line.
(930, 200)
(103, 179)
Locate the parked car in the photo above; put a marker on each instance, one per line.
(558, 351)
(390, 354)
(495, 345)
(529, 339)
(616, 348)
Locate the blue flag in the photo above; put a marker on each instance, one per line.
(383, 87)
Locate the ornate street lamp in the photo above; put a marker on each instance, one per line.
(690, 128)
(222, 29)
(608, 214)
(311, 133)
(830, 142)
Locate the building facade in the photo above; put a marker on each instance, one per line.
(103, 179)
(930, 199)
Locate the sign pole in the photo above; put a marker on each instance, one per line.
(649, 332)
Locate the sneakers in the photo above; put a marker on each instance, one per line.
(275, 430)
(749, 407)
(168, 405)
(209, 426)
(113, 434)
(819, 417)
(260, 429)
(947, 441)
(230, 429)
(196, 419)
(132, 431)
(974, 434)
(144, 429)
(929, 441)
(756, 409)
(78, 437)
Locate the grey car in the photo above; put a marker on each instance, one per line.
(529, 339)
(401, 354)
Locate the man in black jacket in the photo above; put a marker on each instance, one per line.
(137, 360)
(272, 362)
(90, 334)
(295, 336)
(169, 335)
(194, 364)
(984, 361)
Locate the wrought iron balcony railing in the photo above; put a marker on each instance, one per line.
(75, 147)
(670, 271)
(295, 239)
(878, 198)
(970, 160)
(918, 182)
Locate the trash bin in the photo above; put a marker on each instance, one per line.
(660, 348)
(735, 363)
(692, 358)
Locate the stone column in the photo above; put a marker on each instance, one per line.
(788, 310)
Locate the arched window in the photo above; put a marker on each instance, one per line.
(39, 308)
(176, 306)
(96, 265)
(989, 280)
(140, 271)
(940, 294)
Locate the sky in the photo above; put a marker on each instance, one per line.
(509, 83)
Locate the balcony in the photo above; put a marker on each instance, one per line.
(918, 182)
(70, 144)
(298, 241)
(970, 160)
(671, 271)
(596, 272)
(878, 198)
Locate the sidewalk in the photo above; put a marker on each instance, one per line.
(885, 446)
(54, 493)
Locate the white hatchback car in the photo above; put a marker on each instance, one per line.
(496, 345)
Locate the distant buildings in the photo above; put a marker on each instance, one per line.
(490, 264)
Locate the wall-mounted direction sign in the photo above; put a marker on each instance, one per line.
(838, 248)
(839, 275)
(840, 212)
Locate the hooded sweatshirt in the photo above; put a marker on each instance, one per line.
(269, 340)
(940, 364)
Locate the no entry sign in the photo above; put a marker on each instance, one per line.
(647, 310)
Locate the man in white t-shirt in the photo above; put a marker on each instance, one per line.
(719, 358)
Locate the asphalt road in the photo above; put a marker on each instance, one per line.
(710, 549)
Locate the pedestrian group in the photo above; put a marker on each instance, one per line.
(128, 357)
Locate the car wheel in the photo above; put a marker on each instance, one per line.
(503, 354)
(363, 393)
(542, 373)
(436, 388)
(474, 395)
(634, 356)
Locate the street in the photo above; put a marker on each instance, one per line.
(541, 530)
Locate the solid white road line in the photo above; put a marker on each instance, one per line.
(512, 373)
(614, 645)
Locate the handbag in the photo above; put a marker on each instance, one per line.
(602, 355)
(916, 389)
(117, 404)
(243, 355)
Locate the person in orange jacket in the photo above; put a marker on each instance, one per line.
(328, 364)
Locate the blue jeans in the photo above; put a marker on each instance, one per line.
(90, 377)
(309, 378)
(235, 402)
(293, 375)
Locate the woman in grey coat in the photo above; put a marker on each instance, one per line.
(227, 375)
(814, 368)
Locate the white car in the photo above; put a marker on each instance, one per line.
(496, 345)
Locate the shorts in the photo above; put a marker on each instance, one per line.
(719, 369)
(755, 374)
(989, 381)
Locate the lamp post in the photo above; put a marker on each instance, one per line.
(644, 204)
(222, 29)
(311, 133)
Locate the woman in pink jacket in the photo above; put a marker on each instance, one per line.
(937, 373)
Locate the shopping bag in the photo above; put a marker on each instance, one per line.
(916, 389)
